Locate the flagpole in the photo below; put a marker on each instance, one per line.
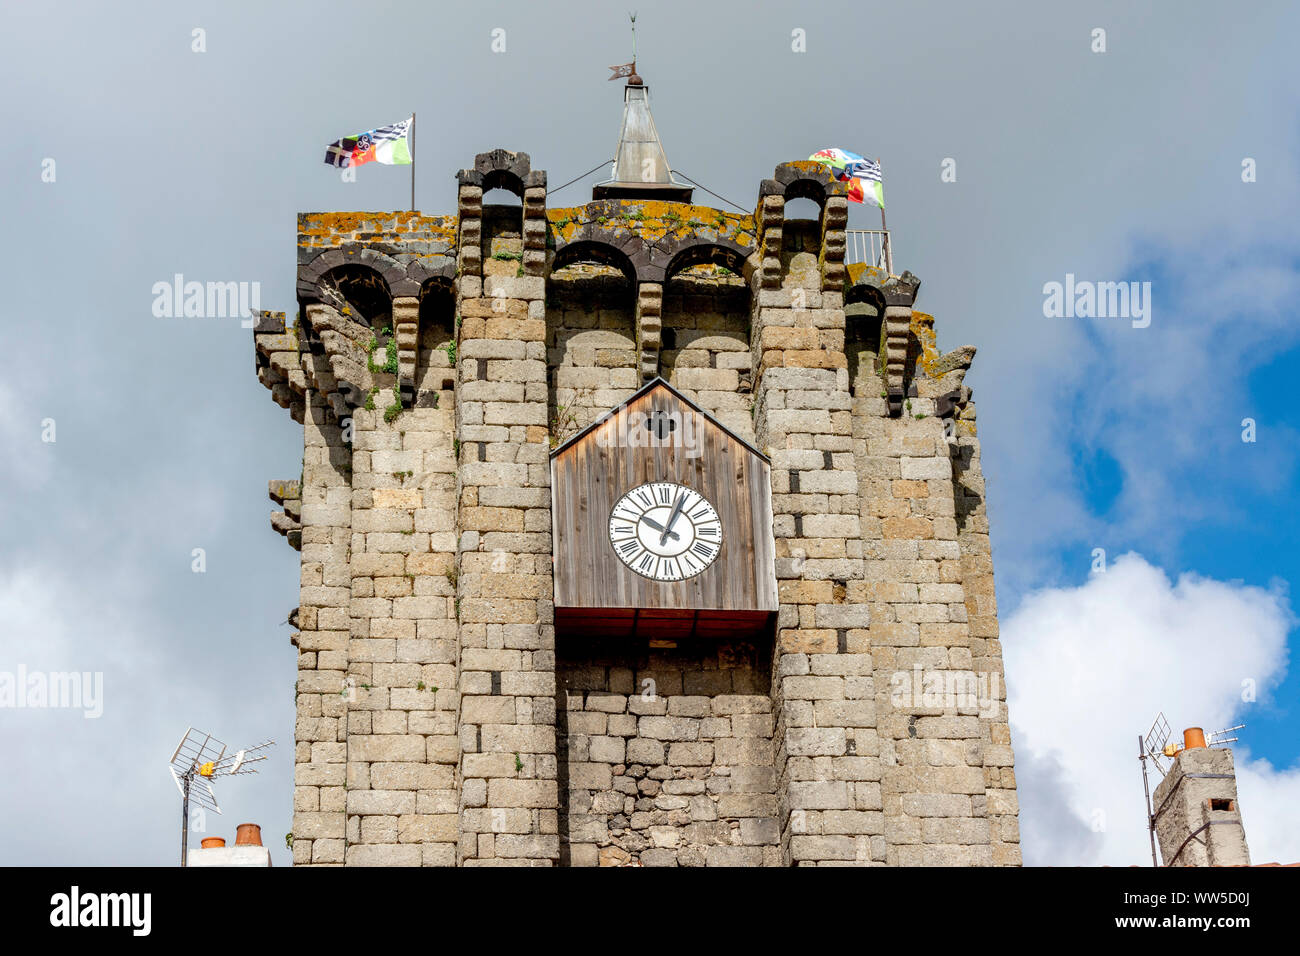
(889, 252)
(411, 147)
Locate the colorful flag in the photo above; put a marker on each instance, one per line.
(862, 175)
(389, 145)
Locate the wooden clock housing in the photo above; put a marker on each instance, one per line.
(658, 434)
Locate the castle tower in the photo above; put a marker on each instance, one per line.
(635, 532)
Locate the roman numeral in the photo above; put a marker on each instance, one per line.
(663, 493)
(703, 550)
(645, 561)
(628, 547)
(645, 499)
(697, 515)
(710, 529)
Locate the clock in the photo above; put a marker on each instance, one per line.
(665, 531)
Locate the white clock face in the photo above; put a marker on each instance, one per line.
(665, 531)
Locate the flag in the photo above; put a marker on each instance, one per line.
(390, 145)
(862, 175)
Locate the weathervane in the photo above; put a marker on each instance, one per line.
(627, 69)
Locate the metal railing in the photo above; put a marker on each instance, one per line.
(871, 246)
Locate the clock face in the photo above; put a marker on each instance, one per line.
(665, 531)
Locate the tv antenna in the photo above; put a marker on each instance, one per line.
(1221, 736)
(1152, 747)
(198, 760)
(1154, 744)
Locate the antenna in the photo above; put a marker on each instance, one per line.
(1151, 747)
(1219, 736)
(632, 16)
(198, 759)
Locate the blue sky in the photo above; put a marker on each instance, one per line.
(1122, 165)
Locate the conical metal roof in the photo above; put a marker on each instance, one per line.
(641, 169)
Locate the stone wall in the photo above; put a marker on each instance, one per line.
(666, 755)
(504, 580)
(705, 350)
(590, 345)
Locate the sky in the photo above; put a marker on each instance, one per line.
(1145, 551)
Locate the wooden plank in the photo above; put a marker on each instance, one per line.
(591, 474)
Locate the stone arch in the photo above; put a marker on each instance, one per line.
(677, 255)
(598, 249)
(804, 179)
(393, 272)
(864, 316)
(364, 286)
(705, 329)
(435, 375)
(805, 245)
(504, 169)
(498, 231)
(591, 337)
(420, 271)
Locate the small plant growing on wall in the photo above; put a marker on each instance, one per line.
(390, 353)
(565, 420)
(395, 409)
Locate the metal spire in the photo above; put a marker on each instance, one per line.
(641, 169)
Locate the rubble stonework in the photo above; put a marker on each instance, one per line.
(1197, 817)
(441, 720)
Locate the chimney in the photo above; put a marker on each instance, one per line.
(1197, 817)
(247, 851)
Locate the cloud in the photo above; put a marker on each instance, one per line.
(1088, 669)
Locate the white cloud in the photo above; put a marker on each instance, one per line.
(1089, 667)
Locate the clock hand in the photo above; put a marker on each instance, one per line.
(658, 527)
(677, 510)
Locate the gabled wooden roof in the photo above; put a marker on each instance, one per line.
(654, 383)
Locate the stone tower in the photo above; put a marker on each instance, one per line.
(444, 719)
